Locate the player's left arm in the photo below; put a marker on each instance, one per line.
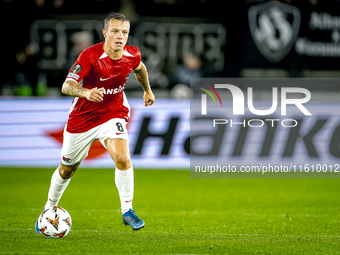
(141, 74)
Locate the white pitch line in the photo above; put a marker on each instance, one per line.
(222, 234)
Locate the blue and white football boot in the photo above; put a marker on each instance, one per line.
(130, 218)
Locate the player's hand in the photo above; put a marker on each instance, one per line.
(95, 95)
(149, 98)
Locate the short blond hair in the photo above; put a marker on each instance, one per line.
(115, 15)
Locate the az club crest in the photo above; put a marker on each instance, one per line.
(274, 27)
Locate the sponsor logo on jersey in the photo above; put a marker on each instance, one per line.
(112, 91)
(76, 68)
(104, 79)
(72, 75)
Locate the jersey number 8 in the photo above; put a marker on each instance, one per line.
(120, 127)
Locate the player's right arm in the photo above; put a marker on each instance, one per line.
(77, 73)
(72, 88)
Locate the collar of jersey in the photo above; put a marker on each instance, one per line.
(126, 53)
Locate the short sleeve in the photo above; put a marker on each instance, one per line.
(80, 68)
(138, 58)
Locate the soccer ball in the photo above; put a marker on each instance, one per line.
(54, 222)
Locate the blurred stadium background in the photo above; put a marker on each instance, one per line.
(179, 40)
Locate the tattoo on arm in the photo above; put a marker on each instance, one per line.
(72, 88)
(142, 77)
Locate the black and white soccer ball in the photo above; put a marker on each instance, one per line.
(55, 222)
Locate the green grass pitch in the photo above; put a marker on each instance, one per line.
(182, 215)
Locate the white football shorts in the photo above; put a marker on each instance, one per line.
(76, 146)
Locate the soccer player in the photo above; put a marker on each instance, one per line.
(101, 111)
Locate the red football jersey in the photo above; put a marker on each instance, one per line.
(94, 68)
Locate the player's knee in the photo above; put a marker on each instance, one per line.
(67, 172)
(123, 161)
